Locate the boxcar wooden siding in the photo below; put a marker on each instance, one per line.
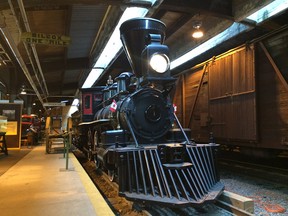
(272, 96)
(220, 98)
(240, 96)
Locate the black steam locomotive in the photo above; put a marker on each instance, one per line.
(129, 128)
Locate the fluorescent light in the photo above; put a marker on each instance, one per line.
(269, 10)
(72, 109)
(92, 77)
(273, 8)
(75, 102)
(113, 46)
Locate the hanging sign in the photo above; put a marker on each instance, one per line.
(46, 39)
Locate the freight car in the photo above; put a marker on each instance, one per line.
(240, 96)
(129, 128)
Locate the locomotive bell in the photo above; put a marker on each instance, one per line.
(123, 81)
(136, 36)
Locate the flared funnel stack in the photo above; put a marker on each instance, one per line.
(135, 36)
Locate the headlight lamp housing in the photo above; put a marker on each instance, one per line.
(159, 62)
(155, 61)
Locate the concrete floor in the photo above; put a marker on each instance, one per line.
(14, 155)
(40, 184)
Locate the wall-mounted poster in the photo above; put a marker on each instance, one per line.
(11, 128)
(10, 114)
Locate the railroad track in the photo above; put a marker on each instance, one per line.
(270, 173)
(122, 207)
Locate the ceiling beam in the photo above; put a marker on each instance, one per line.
(222, 9)
(55, 90)
(243, 8)
(178, 24)
(71, 64)
(54, 4)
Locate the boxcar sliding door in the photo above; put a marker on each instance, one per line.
(232, 96)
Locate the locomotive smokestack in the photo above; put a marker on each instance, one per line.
(135, 36)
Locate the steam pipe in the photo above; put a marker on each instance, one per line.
(20, 60)
(25, 20)
(26, 48)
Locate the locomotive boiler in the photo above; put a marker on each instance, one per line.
(129, 128)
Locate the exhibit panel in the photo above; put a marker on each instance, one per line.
(13, 112)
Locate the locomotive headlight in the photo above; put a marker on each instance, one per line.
(159, 62)
(155, 61)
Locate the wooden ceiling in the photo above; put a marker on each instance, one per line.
(56, 72)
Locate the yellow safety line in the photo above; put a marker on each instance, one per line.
(91, 190)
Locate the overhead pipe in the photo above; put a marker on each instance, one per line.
(26, 48)
(19, 59)
(26, 23)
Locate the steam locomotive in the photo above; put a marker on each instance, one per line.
(129, 128)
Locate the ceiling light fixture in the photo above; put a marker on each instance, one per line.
(23, 90)
(261, 15)
(233, 30)
(197, 33)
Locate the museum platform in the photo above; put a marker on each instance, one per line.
(42, 184)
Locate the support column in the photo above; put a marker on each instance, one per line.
(13, 85)
(29, 104)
